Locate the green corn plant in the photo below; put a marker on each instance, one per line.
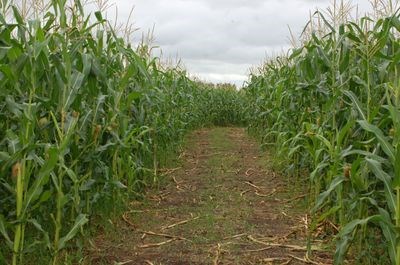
(85, 122)
(333, 101)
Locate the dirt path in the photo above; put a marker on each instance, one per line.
(221, 206)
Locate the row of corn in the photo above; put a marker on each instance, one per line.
(331, 111)
(83, 120)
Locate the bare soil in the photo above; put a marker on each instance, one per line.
(222, 205)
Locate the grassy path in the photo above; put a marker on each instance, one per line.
(222, 205)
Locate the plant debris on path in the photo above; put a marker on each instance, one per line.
(222, 205)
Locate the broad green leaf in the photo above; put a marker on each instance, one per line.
(345, 236)
(389, 232)
(396, 179)
(324, 195)
(35, 190)
(386, 146)
(350, 152)
(376, 168)
(356, 103)
(80, 221)
(325, 142)
(317, 170)
(99, 16)
(295, 53)
(17, 15)
(343, 131)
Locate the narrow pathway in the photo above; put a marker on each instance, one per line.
(223, 205)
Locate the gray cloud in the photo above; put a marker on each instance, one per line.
(219, 40)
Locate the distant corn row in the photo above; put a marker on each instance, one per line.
(332, 111)
(83, 118)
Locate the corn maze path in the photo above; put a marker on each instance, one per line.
(222, 204)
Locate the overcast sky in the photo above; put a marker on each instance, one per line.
(219, 40)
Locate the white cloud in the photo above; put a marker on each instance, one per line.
(219, 40)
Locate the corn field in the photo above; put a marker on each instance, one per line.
(84, 121)
(330, 109)
(87, 120)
